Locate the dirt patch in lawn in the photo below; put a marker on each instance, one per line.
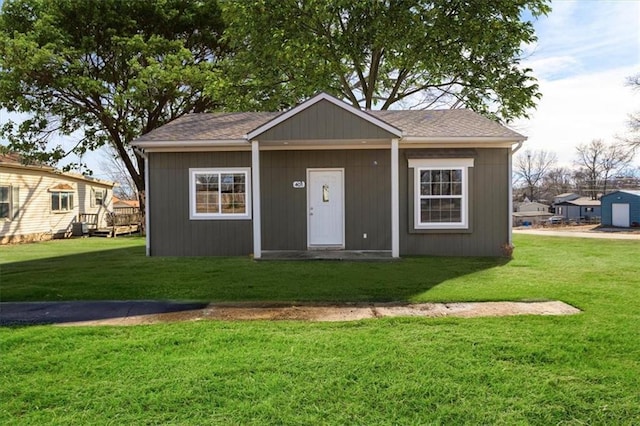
(342, 312)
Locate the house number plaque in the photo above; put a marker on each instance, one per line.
(298, 184)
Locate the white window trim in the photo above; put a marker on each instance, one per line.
(70, 206)
(421, 164)
(93, 201)
(9, 202)
(219, 216)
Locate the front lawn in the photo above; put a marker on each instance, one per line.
(581, 369)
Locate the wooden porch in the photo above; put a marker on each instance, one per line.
(117, 224)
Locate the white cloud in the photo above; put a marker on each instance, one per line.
(579, 109)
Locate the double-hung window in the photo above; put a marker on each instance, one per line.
(220, 193)
(97, 197)
(441, 193)
(9, 202)
(61, 201)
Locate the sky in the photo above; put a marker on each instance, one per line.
(585, 51)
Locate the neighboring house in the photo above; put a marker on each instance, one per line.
(579, 209)
(567, 196)
(120, 205)
(532, 206)
(621, 208)
(326, 175)
(531, 213)
(39, 202)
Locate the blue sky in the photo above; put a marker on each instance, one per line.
(585, 51)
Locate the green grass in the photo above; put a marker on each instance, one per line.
(575, 370)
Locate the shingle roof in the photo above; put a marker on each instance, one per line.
(427, 124)
(209, 126)
(582, 201)
(444, 123)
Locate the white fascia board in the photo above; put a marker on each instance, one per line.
(190, 144)
(326, 97)
(467, 140)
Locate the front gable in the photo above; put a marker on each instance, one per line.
(324, 118)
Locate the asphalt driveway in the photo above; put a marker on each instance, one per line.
(32, 313)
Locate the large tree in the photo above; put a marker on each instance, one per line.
(633, 138)
(376, 53)
(531, 167)
(103, 71)
(598, 161)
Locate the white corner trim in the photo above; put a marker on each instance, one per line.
(440, 162)
(147, 230)
(314, 100)
(255, 188)
(395, 200)
(510, 195)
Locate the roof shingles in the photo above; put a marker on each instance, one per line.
(452, 123)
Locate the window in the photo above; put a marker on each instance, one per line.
(9, 202)
(441, 194)
(61, 201)
(220, 193)
(97, 197)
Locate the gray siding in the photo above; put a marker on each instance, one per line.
(488, 210)
(573, 212)
(367, 197)
(323, 121)
(171, 231)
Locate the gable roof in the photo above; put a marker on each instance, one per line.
(323, 97)
(634, 192)
(199, 129)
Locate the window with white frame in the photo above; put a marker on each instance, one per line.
(220, 193)
(8, 202)
(441, 193)
(97, 197)
(61, 201)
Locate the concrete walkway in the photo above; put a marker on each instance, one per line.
(123, 313)
(613, 235)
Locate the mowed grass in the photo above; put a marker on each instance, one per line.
(582, 369)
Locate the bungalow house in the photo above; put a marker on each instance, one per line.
(327, 176)
(531, 212)
(579, 209)
(40, 202)
(621, 208)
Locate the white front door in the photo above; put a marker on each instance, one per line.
(325, 208)
(620, 215)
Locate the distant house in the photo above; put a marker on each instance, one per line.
(40, 202)
(567, 196)
(532, 206)
(530, 212)
(579, 209)
(121, 204)
(621, 208)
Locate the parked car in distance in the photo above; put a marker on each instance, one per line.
(555, 220)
